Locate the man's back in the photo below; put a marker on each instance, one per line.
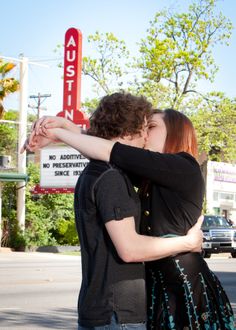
(109, 285)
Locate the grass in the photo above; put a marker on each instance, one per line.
(71, 253)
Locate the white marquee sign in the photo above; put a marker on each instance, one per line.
(60, 166)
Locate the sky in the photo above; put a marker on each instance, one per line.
(35, 27)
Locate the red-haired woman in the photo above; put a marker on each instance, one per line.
(182, 291)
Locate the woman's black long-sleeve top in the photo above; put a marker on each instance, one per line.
(174, 198)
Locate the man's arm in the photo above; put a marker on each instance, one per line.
(133, 247)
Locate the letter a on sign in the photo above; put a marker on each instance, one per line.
(71, 42)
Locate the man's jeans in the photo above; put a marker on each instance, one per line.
(116, 326)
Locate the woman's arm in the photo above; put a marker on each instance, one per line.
(169, 170)
(89, 146)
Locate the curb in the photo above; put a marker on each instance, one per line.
(5, 250)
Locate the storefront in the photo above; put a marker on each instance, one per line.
(221, 189)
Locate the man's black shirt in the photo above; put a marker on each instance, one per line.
(103, 193)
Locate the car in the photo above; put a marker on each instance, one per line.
(218, 236)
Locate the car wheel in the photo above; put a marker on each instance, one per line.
(206, 254)
(233, 254)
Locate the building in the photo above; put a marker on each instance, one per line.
(220, 189)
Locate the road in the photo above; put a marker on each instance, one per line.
(39, 290)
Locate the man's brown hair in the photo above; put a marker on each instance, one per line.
(119, 114)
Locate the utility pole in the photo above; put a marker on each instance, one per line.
(41, 99)
(21, 140)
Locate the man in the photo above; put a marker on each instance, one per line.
(107, 212)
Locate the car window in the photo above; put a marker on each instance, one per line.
(215, 221)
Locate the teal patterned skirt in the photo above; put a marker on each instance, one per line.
(183, 293)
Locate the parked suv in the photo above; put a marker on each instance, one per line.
(218, 236)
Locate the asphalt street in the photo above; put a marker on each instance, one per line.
(39, 291)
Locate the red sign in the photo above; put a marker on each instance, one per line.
(72, 69)
(39, 190)
(72, 79)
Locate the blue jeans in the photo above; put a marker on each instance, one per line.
(117, 326)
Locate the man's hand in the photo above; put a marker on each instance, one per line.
(195, 236)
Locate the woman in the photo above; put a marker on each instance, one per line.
(182, 292)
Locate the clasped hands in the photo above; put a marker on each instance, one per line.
(43, 133)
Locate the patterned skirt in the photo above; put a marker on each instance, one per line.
(183, 293)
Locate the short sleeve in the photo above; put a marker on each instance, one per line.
(112, 197)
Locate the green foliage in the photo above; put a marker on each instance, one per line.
(215, 123)
(44, 211)
(17, 239)
(89, 105)
(65, 232)
(7, 85)
(8, 213)
(8, 136)
(44, 214)
(108, 67)
(178, 48)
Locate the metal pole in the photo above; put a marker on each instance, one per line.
(21, 139)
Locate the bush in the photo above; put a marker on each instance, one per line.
(65, 232)
(49, 218)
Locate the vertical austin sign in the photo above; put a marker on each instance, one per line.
(72, 78)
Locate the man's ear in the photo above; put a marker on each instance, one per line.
(127, 137)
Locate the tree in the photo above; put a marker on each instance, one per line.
(8, 136)
(108, 69)
(7, 85)
(177, 51)
(215, 123)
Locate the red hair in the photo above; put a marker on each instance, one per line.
(181, 135)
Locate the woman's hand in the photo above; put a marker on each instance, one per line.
(47, 122)
(195, 236)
